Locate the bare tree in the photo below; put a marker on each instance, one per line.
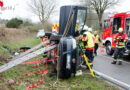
(100, 6)
(42, 8)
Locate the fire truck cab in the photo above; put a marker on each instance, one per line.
(111, 26)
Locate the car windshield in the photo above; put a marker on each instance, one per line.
(81, 16)
(128, 26)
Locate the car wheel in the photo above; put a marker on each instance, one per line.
(109, 50)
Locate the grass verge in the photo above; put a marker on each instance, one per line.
(12, 46)
(85, 81)
(21, 82)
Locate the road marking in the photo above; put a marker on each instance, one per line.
(112, 58)
(113, 80)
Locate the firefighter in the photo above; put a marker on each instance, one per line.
(120, 39)
(91, 31)
(81, 36)
(97, 41)
(89, 46)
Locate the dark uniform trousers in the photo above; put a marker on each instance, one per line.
(95, 48)
(89, 55)
(119, 53)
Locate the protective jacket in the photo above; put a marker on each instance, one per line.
(120, 40)
(97, 39)
(88, 38)
(81, 42)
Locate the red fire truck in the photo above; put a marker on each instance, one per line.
(111, 26)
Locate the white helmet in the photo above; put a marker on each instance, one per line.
(85, 27)
(77, 21)
(90, 29)
(120, 30)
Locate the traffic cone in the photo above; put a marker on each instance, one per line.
(101, 48)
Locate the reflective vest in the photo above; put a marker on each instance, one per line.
(120, 40)
(97, 39)
(93, 38)
(89, 41)
(81, 43)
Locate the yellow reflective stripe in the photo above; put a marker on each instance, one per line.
(57, 25)
(97, 39)
(44, 54)
(121, 43)
(115, 60)
(120, 46)
(120, 60)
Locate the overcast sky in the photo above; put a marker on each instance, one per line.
(18, 8)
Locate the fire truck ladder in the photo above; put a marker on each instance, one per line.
(27, 55)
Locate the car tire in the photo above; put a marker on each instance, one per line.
(109, 50)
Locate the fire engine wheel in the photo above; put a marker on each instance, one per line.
(109, 50)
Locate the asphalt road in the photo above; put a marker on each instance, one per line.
(102, 64)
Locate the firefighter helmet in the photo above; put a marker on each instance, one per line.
(85, 27)
(120, 30)
(90, 29)
(77, 21)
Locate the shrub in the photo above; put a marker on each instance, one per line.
(14, 23)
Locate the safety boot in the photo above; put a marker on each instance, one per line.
(114, 62)
(95, 54)
(120, 63)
